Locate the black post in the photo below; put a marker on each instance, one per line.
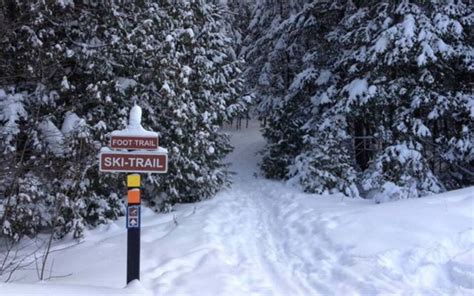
(133, 254)
(133, 228)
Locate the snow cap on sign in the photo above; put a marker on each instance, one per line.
(134, 128)
(135, 119)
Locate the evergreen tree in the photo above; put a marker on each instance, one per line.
(198, 83)
(294, 147)
(391, 75)
(274, 60)
(323, 163)
(402, 83)
(64, 59)
(74, 70)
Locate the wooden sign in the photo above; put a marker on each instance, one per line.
(133, 142)
(137, 162)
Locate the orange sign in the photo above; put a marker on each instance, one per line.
(134, 196)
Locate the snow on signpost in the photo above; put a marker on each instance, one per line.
(134, 137)
(150, 158)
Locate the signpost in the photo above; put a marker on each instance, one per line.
(151, 159)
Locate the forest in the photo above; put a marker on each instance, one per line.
(371, 99)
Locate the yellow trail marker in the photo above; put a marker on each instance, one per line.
(133, 180)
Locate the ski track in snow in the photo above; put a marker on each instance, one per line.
(257, 230)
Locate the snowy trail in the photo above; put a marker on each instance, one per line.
(243, 233)
(263, 237)
(270, 239)
(246, 215)
(260, 205)
(241, 230)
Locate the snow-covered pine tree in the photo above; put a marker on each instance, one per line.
(402, 84)
(75, 70)
(393, 75)
(273, 56)
(267, 20)
(237, 18)
(198, 84)
(453, 22)
(324, 163)
(61, 59)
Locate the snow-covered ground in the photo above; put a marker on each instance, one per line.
(263, 237)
